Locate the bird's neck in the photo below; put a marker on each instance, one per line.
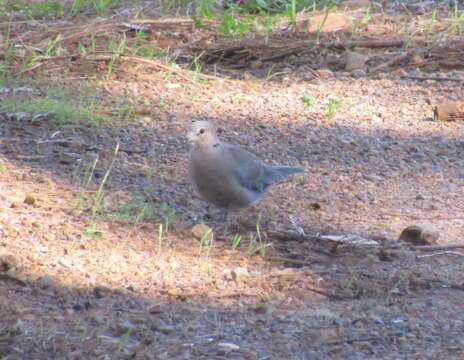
(210, 142)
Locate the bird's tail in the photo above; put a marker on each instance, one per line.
(289, 169)
(281, 173)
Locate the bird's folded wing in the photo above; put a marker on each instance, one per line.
(249, 171)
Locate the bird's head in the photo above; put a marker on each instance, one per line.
(202, 132)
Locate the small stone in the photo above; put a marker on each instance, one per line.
(101, 291)
(30, 199)
(316, 206)
(45, 282)
(163, 328)
(228, 347)
(355, 61)
(420, 235)
(177, 293)
(415, 73)
(68, 311)
(400, 72)
(123, 326)
(7, 262)
(239, 273)
(417, 59)
(227, 274)
(358, 73)
(308, 76)
(155, 309)
(287, 273)
(330, 23)
(200, 230)
(325, 73)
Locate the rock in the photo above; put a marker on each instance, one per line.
(355, 61)
(287, 273)
(415, 73)
(228, 347)
(256, 65)
(417, 59)
(30, 199)
(358, 73)
(100, 291)
(227, 274)
(239, 273)
(420, 235)
(7, 262)
(308, 76)
(155, 309)
(200, 230)
(325, 73)
(163, 328)
(123, 326)
(316, 23)
(45, 282)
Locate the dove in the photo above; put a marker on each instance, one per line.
(227, 175)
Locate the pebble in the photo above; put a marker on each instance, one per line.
(239, 273)
(45, 282)
(325, 73)
(358, 73)
(7, 262)
(355, 61)
(200, 230)
(226, 346)
(420, 235)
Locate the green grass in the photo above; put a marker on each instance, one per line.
(235, 243)
(36, 9)
(44, 9)
(100, 194)
(3, 168)
(64, 106)
(331, 106)
(134, 211)
(92, 232)
(206, 242)
(257, 244)
(430, 25)
(455, 26)
(292, 13)
(308, 100)
(233, 25)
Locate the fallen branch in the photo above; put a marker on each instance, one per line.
(453, 253)
(438, 247)
(365, 43)
(351, 341)
(436, 78)
(157, 65)
(394, 60)
(416, 217)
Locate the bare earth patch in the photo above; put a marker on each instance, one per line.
(116, 273)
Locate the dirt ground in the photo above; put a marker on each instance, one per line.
(87, 279)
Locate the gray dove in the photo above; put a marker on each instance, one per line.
(226, 175)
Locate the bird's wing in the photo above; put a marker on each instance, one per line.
(248, 170)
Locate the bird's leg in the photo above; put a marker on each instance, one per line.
(226, 219)
(225, 216)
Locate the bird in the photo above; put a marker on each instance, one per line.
(226, 175)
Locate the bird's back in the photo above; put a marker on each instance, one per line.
(217, 173)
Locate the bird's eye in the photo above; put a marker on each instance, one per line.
(202, 131)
